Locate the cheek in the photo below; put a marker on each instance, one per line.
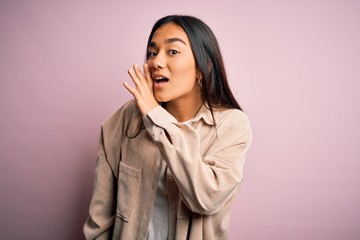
(188, 83)
(149, 62)
(186, 70)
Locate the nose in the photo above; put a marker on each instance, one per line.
(157, 62)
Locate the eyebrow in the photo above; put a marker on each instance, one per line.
(169, 40)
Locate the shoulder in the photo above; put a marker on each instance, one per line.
(232, 116)
(126, 118)
(233, 122)
(126, 111)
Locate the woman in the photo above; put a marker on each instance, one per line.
(170, 161)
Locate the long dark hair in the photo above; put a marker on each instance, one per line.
(215, 89)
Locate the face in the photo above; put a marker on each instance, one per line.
(172, 66)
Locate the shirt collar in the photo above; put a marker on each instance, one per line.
(205, 114)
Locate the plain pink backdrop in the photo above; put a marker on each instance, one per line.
(293, 66)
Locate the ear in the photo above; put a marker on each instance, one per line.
(198, 76)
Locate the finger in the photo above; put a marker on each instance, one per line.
(138, 73)
(137, 97)
(148, 76)
(134, 78)
(132, 90)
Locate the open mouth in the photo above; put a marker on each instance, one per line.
(161, 80)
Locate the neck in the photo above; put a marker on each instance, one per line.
(184, 110)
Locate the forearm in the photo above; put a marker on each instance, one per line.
(206, 180)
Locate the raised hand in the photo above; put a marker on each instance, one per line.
(143, 90)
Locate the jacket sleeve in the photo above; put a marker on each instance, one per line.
(101, 218)
(206, 182)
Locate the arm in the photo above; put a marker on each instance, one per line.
(102, 206)
(206, 182)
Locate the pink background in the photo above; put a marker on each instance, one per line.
(293, 65)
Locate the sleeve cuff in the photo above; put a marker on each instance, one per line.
(159, 116)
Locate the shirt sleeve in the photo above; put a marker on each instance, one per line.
(99, 224)
(206, 182)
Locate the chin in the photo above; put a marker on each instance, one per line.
(160, 99)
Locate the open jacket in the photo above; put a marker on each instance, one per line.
(205, 163)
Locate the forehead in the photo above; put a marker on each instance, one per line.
(168, 31)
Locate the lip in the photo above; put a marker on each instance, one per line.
(159, 84)
(157, 75)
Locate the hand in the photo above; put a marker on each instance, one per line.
(143, 91)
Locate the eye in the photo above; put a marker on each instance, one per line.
(173, 52)
(151, 54)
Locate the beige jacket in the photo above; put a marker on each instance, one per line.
(205, 164)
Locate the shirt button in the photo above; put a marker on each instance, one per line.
(171, 179)
(172, 207)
